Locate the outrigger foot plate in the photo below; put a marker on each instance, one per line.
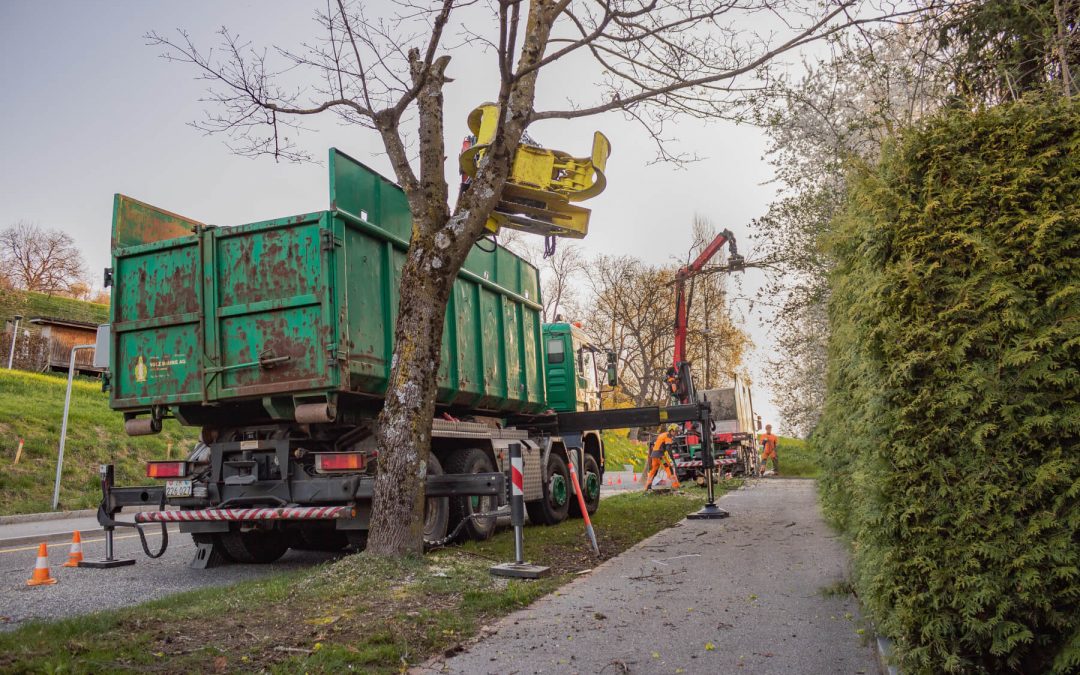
(520, 571)
(709, 512)
(105, 563)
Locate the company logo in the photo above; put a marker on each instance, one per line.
(140, 370)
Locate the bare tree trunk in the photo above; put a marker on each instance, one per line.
(405, 423)
(438, 248)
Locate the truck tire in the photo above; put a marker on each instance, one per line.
(214, 540)
(436, 509)
(254, 546)
(471, 460)
(555, 505)
(311, 538)
(590, 488)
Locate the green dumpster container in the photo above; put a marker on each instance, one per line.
(255, 320)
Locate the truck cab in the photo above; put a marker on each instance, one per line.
(572, 378)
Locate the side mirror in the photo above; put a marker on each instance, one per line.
(759, 423)
(612, 371)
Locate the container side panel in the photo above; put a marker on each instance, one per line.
(157, 283)
(494, 382)
(356, 189)
(368, 310)
(265, 264)
(286, 334)
(156, 365)
(136, 223)
(532, 360)
(513, 336)
(469, 366)
(274, 334)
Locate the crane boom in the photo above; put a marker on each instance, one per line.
(679, 377)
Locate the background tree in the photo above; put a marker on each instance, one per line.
(35, 259)
(873, 84)
(651, 60)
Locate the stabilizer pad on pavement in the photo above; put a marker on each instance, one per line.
(520, 571)
(709, 512)
(107, 564)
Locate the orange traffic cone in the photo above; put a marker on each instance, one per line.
(620, 481)
(41, 577)
(635, 477)
(75, 557)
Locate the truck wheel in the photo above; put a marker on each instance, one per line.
(320, 539)
(471, 460)
(357, 539)
(590, 488)
(554, 507)
(214, 540)
(436, 509)
(254, 546)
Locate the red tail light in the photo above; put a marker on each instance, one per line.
(166, 469)
(340, 461)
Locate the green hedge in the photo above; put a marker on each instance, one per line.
(949, 439)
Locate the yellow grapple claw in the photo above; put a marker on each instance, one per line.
(542, 182)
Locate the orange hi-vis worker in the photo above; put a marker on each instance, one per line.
(768, 449)
(656, 458)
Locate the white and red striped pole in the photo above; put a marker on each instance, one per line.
(517, 501)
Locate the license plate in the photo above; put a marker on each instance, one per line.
(178, 488)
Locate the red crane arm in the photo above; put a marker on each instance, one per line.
(681, 308)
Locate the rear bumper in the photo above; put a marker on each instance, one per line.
(243, 515)
(698, 464)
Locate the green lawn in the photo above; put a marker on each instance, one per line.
(620, 450)
(31, 408)
(359, 613)
(29, 304)
(797, 460)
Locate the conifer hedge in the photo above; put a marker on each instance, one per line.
(950, 434)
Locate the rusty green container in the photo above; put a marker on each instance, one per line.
(255, 320)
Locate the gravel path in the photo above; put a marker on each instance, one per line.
(742, 595)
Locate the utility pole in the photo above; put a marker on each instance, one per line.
(14, 337)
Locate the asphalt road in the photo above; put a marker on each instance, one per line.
(82, 591)
(741, 595)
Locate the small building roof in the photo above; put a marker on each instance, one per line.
(70, 323)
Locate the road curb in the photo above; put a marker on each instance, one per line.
(49, 538)
(884, 650)
(20, 518)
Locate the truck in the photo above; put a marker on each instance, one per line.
(734, 434)
(275, 340)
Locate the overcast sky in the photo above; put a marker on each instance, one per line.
(89, 110)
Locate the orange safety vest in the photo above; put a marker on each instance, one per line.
(658, 447)
(769, 443)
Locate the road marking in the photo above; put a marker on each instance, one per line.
(116, 537)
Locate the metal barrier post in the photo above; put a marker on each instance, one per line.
(106, 473)
(710, 511)
(63, 426)
(519, 568)
(14, 337)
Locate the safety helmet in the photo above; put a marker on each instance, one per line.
(673, 428)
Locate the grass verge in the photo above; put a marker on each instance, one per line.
(797, 459)
(619, 451)
(357, 613)
(32, 407)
